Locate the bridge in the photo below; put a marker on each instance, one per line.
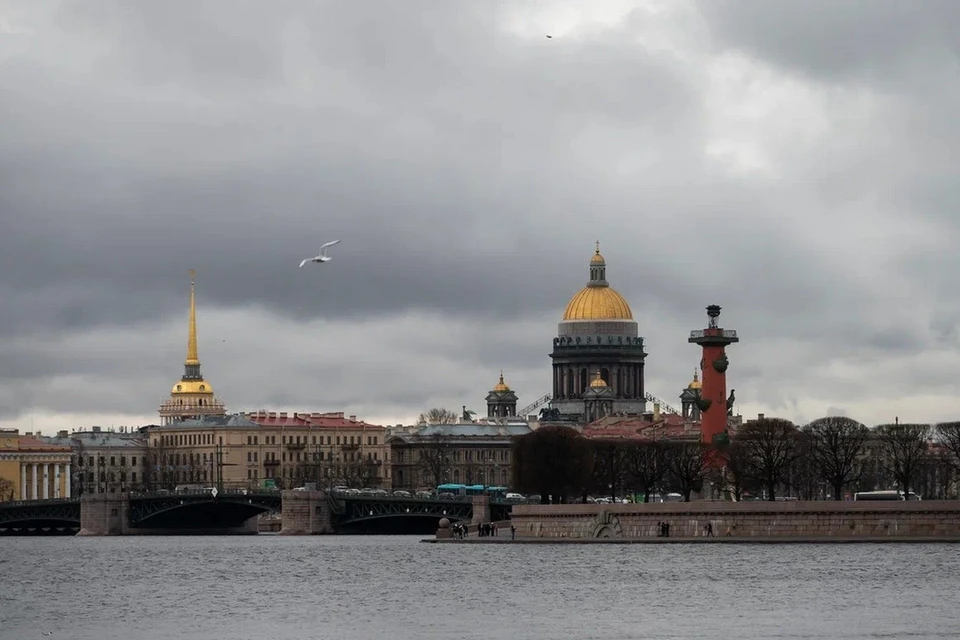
(303, 512)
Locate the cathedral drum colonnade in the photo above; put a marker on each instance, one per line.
(598, 356)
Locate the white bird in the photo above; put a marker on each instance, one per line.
(323, 257)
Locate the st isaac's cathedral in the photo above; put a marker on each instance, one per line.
(597, 355)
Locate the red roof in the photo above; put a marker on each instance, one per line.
(670, 427)
(330, 420)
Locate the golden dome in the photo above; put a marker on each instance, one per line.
(597, 382)
(501, 386)
(597, 303)
(695, 384)
(192, 386)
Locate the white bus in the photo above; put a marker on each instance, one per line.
(884, 495)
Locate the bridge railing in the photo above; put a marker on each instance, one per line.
(23, 503)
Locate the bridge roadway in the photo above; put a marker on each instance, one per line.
(230, 512)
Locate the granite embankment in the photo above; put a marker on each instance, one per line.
(719, 522)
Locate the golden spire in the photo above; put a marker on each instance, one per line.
(598, 247)
(192, 357)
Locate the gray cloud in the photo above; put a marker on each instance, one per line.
(794, 166)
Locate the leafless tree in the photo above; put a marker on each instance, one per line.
(647, 466)
(609, 468)
(903, 450)
(435, 452)
(948, 434)
(439, 415)
(735, 474)
(771, 444)
(836, 447)
(687, 464)
(362, 473)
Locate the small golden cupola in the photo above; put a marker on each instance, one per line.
(191, 397)
(695, 383)
(501, 401)
(598, 382)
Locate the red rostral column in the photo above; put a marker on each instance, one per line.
(713, 401)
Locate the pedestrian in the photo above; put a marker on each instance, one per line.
(513, 532)
(709, 529)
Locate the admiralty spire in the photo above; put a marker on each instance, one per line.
(192, 396)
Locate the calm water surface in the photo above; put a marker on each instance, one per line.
(371, 588)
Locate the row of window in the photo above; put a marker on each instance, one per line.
(457, 455)
(102, 461)
(255, 440)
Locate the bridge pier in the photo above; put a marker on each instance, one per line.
(481, 510)
(305, 513)
(104, 514)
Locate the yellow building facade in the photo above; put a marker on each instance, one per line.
(268, 449)
(31, 469)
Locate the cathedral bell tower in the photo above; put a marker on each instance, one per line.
(501, 401)
(192, 397)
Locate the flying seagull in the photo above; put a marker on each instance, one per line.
(323, 257)
(549, 36)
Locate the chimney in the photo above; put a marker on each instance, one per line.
(61, 434)
(759, 416)
(656, 412)
(353, 418)
(283, 414)
(95, 429)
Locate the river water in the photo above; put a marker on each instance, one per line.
(371, 588)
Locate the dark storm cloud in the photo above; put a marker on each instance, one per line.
(433, 146)
(468, 170)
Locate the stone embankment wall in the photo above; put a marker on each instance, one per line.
(921, 519)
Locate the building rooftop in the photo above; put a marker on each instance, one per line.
(329, 420)
(469, 430)
(230, 421)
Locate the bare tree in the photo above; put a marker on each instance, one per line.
(837, 446)
(735, 474)
(647, 466)
(435, 453)
(948, 433)
(903, 449)
(362, 473)
(439, 415)
(771, 444)
(687, 464)
(609, 467)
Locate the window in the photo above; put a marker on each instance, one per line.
(313, 440)
(249, 457)
(249, 440)
(133, 462)
(255, 456)
(112, 461)
(133, 477)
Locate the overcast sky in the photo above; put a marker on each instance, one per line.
(794, 162)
